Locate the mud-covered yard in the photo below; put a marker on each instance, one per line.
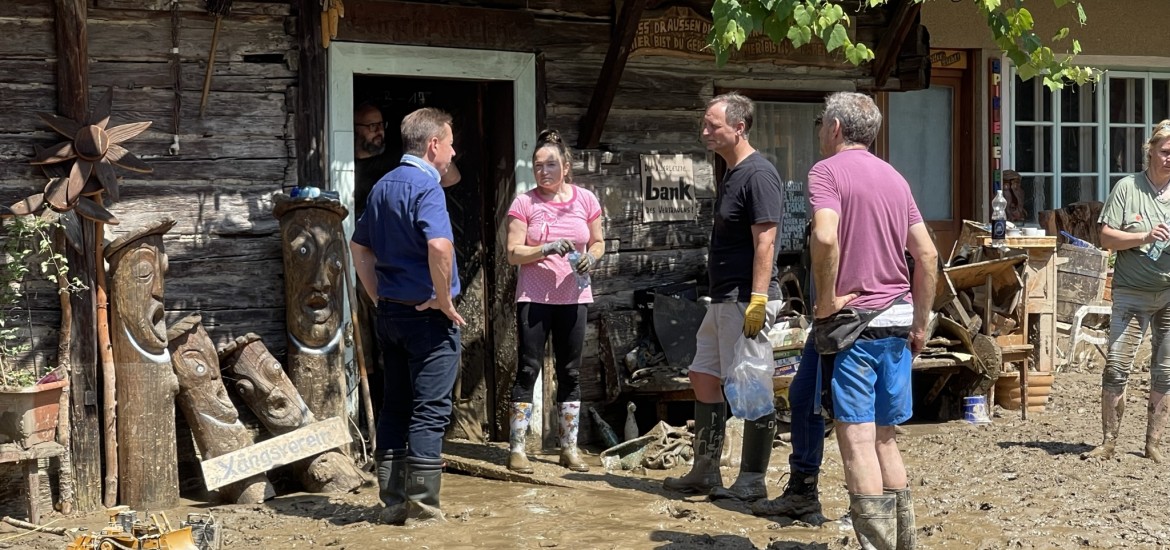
(1012, 484)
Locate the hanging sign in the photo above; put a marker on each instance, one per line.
(668, 188)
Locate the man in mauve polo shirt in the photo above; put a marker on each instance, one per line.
(403, 250)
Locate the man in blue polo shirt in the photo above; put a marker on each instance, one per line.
(403, 250)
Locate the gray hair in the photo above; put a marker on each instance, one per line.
(738, 109)
(859, 116)
(1161, 133)
(420, 126)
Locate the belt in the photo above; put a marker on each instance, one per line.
(401, 302)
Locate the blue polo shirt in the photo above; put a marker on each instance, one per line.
(406, 208)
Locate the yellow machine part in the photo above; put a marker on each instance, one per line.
(179, 539)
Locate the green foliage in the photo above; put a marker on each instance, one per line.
(25, 245)
(797, 22)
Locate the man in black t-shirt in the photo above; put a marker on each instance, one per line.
(370, 161)
(745, 298)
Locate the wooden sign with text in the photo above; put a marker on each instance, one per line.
(307, 441)
(422, 24)
(683, 32)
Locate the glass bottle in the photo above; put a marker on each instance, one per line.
(999, 219)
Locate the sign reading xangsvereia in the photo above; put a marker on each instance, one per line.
(668, 188)
(683, 32)
(284, 449)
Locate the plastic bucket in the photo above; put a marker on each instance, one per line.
(975, 410)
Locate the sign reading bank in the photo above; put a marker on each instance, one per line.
(668, 188)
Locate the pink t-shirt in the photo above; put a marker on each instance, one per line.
(876, 211)
(551, 279)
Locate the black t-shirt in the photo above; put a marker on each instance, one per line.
(749, 194)
(367, 172)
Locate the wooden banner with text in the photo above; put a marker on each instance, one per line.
(310, 440)
(682, 32)
(668, 188)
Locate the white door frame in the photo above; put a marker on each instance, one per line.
(347, 59)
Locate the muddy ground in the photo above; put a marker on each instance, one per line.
(1011, 484)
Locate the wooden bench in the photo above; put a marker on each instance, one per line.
(32, 470)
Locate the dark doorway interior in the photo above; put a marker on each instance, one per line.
(472, 204)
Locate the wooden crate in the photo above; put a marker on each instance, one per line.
(1080, 280)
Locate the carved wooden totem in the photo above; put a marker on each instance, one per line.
(146, 383)
(1014, 193)
(313, 243)
(260, 380)
(209, 411)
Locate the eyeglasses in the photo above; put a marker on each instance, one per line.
(373, 126)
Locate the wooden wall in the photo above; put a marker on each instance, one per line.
(224, 252)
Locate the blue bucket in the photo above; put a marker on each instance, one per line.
(975, 410)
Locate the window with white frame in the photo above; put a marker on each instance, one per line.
(1073, 144)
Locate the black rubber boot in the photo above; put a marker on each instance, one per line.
(424, 478)
(710, 422)
(392, 485)
(874, 521)
(907, 530)
(751, 484)
(800, 498)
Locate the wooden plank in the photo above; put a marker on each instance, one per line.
(241, 36)
(197, 6)
(310, 96)
(436, 25)
(890, 45)
(1002, 271)
(303, 442)
(611, 73)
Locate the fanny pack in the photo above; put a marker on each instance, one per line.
(839, 330)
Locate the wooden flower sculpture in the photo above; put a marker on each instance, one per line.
(94, 151)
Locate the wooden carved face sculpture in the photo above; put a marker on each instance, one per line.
(314, 271)
(260, 380)
(197, 366)
(139, 300)
(314, 249)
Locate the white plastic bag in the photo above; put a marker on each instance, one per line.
(749, 388)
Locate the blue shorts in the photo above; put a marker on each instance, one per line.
(871, 382)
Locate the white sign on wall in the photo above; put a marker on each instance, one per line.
(306, 441)
(668, 188)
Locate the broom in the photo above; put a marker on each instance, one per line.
(218, 8)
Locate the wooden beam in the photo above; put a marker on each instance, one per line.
(72, 42)
(310, 115)
(611, 74)
(886, 54)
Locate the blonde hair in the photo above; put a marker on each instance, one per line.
(420, 126)
(1161, 133)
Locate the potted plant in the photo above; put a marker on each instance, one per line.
(30, 390)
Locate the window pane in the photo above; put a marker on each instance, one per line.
(1037, 195)
(1125, 149)
(1033, 101)
(1161, 100)
(1078, 104)
(784, 134)
(920, 129)
(1078, 149)
(1077, 189)
(1033, 149)
(1126, 100)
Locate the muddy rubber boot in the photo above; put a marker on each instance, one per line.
(710, 421)
(570, 421)
(392, 485)
(800, 498)
(751, 484)
(907, 529)
(1156, 424)
(424, 478)
(875, 521)
(517, 456)
(1112, 409)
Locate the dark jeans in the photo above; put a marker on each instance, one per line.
(421, 351)
(808, 426)
(534, 324)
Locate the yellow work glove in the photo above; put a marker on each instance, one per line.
(754, 315)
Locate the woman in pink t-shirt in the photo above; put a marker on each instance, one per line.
(555, 236)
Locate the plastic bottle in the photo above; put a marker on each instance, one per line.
(999, 219)
(1156, 249)
(582, 280)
